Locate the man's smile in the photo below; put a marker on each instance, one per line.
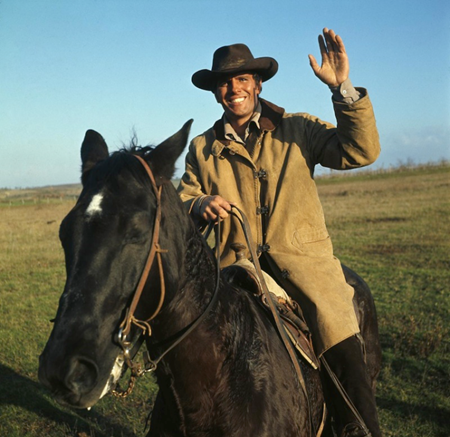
(236, 100)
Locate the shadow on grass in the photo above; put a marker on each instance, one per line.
(404, 410)
(412, 375)
(21, 391)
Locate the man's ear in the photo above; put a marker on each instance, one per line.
(258, 87)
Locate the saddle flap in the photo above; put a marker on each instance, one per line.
(241, 274)
(301, 342)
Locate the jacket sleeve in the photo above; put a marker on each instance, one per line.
(353, 143)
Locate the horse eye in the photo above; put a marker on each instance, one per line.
(138, 239)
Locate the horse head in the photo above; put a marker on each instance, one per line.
(106, 238)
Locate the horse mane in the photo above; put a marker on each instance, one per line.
(134, 148)
(121, 158)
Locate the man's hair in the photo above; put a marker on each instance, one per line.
(257, 78)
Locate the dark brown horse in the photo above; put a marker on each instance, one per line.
(231, 376)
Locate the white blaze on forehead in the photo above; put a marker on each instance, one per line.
(95, 207)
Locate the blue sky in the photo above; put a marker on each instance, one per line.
(122, 65)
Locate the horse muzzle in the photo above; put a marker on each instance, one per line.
(73, 382)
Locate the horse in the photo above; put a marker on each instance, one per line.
(231, 375)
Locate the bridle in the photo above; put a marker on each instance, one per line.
(155, 250)
(122, 337)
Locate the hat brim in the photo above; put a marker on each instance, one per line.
(207, 79)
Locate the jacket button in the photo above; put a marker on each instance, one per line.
(261, 174)
(264, 247)
(285, 273)
(262, 210)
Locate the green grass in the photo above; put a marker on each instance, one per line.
(391, 228)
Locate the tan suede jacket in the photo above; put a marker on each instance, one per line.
(275, 186)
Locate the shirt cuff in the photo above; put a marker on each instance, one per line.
(345, 92)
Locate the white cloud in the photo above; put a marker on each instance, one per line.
(416, 145)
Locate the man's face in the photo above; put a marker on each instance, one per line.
(238, 96)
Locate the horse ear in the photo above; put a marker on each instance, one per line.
(93, 150)
(164, 156)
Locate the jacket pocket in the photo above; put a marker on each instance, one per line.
(312, 241)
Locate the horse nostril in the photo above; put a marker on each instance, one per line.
(82, 376)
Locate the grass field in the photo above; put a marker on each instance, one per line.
(392, 228)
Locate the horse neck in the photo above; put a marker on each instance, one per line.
(196, 289)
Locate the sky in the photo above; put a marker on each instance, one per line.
(124, 66)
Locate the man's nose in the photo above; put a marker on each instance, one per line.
(234, 84)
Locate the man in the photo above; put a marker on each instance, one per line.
(262, 159)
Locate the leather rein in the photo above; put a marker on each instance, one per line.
(122, 337)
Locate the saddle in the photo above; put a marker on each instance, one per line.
(243, 274)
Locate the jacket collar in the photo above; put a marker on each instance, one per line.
(271, 116)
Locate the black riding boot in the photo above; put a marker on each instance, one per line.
(346, 361)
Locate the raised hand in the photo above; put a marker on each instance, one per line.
(335, 66)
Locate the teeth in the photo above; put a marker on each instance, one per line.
(238, 100)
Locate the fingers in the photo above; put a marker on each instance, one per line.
(334, 42)
(314, 65)
(328, 47)
(330, 38)
(323, 47)
(214, 208)
(340, 44)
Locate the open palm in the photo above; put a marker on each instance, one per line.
(335, 66)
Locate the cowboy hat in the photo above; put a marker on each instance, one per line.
(235, 58)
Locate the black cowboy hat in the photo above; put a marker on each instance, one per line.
(235, 58)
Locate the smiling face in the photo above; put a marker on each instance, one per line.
(238, 95)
